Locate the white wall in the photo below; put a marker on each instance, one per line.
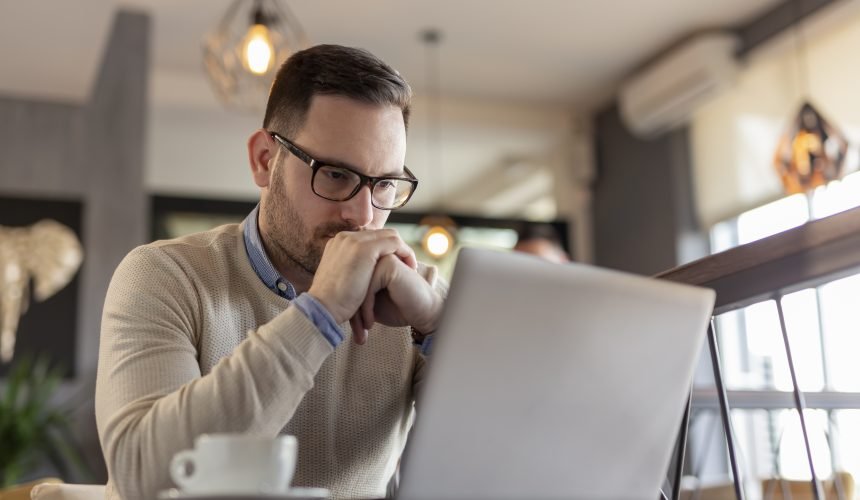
(734, 137)
(199, 152)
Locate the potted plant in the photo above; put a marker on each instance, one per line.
(32, 428)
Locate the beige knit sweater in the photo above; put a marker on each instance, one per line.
(193, 342)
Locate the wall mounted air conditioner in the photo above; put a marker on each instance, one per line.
(665, 93)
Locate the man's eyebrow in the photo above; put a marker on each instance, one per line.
(349, 166)
(337, 163)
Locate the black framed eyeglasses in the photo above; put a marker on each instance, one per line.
(337, 183)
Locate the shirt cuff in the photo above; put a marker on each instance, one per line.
(425, 345)
(320, 317)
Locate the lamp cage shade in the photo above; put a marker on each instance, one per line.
(243, 53)
(811, 153)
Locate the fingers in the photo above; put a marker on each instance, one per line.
(397, 296)
(408, 298)
(399, 248)
(382, 276)
(349, 274)
(382, 242)
(366, 310)
(407, 255)
(359, 334)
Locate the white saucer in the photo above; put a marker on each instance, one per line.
(291, 494)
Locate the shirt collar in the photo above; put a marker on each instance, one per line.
(260, 260)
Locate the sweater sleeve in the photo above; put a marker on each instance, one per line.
(151, 400)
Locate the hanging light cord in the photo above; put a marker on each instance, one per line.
(800, 47)
(431, 38)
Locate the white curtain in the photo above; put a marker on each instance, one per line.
(735, 135)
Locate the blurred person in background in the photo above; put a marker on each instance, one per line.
(259, 327)
(543, 241)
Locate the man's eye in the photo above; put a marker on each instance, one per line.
(335, 175)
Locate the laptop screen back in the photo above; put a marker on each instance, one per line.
(550, 381)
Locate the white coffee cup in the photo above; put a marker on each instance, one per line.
(236, 463)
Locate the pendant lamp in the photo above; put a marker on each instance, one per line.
(812, 150)
(243, 53)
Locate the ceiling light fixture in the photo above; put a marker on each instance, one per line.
(243, 53)
(439, 237)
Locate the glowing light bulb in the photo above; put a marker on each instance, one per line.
(438, 242)
(258, 50)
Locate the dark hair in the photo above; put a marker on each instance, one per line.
(331, 70)
(539, 231)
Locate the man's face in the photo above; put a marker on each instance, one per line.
(297, 223)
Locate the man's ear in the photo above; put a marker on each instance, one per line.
(261, 155)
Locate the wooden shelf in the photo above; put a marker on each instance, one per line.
(808, 255)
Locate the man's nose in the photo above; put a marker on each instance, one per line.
(358, 210)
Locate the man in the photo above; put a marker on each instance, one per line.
(258, 328)
(542, 241)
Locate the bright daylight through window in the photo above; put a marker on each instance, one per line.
(822, 326)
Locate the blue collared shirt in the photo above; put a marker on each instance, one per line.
(270, 276)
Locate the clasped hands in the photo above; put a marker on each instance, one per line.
(372, 276)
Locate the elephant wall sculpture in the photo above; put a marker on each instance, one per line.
(46, 253)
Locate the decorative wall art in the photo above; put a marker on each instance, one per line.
(40, 254)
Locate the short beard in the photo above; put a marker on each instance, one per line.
(291, 242)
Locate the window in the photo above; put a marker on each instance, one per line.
(823, 327)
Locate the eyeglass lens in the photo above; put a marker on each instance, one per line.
(338, 184)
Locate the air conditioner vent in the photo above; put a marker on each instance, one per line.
(666, 93)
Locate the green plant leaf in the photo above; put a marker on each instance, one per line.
(31, 427)
(71, 452)
(17, 376)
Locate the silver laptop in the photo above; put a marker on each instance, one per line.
(553, 381)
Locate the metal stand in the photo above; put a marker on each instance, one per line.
(724, 409)
(682, 448)
(799, 402)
